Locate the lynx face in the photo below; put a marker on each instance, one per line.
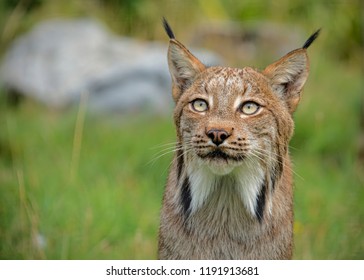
(228, 119)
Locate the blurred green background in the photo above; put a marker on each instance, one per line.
(75, 186)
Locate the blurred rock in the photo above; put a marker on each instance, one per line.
(60, 60)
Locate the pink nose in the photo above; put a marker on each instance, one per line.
(217, 136)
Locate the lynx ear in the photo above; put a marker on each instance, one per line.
(289, 74)
(183, 65)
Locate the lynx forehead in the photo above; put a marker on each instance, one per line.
(230, 79)
(226, 83)
(229, 190)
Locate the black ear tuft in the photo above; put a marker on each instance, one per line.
(168, 29)
(311, 39)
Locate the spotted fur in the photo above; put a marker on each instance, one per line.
(229, 190)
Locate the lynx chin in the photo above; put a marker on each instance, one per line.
(229, 189)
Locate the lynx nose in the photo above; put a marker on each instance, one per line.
(218, 136)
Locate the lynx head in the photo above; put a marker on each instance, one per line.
(229, 120)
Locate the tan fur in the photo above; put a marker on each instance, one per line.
(231, 199)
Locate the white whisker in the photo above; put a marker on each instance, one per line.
(164, 145)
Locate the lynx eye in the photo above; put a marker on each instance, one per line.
(249, 108)
(199, 105)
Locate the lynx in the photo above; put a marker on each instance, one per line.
(229, 190)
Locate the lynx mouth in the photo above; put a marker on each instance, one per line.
(218, 154)
(221, 163)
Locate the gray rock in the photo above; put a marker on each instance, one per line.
(60, 60)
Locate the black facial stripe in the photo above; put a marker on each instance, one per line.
(186, 196)
(261, 201)
(276, 171)
(180, 163)
(279, 167)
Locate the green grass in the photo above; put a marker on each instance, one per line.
(329, 215)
